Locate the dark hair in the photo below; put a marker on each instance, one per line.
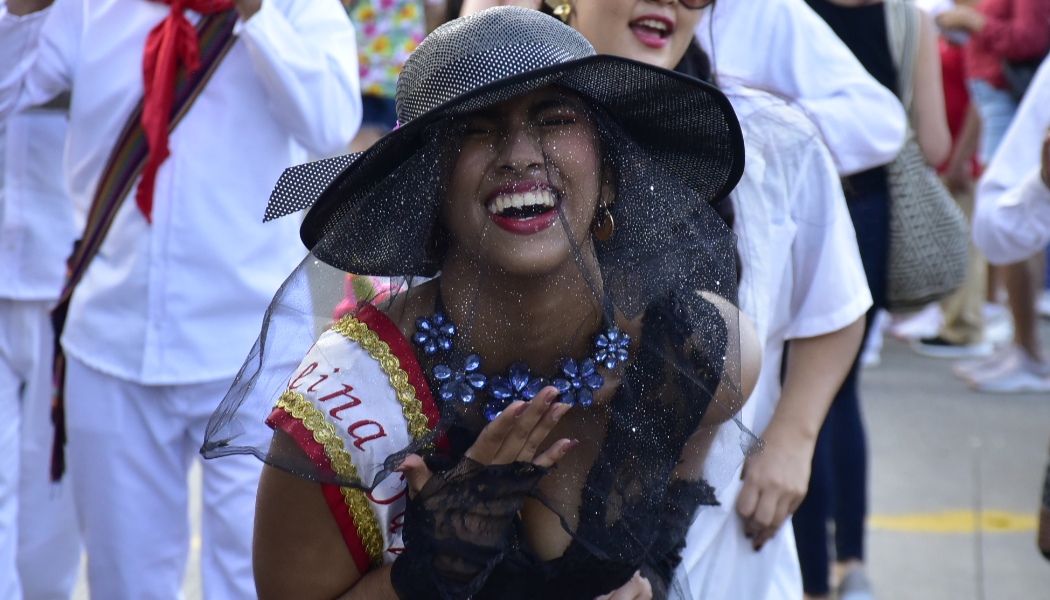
(695, 63)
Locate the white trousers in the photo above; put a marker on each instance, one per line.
(130, 450)
(39, 542)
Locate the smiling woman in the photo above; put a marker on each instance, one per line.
(562, 294)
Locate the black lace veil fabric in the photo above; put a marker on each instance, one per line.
(436, 219)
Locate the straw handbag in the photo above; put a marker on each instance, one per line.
(929, 235)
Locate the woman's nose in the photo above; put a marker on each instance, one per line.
(522, 151)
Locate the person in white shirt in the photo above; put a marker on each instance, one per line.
(39, 541)
(802, 59)
(1012, 220)
(168, 308)
(814, 296)
(1012, 216)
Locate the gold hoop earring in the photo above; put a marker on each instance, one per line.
(604, 226)
(561, 8)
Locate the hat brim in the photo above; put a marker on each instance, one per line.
(685, 124)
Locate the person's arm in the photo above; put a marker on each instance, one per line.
(21, 8)
(38, 43)
(435, 12)
(300, 553)
(861, 121)
(297, 548)
(1023, 36)
(1007, 214)
(1018, 225)
(958, 173)
(305, 55)
(776, 479)
(827, 297)
(928, 115)
(472, 6)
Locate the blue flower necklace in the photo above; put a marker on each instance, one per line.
(576, 381)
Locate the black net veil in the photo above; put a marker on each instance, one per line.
(530, 295)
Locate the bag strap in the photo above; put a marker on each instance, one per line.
(902, 31)
(122, 169)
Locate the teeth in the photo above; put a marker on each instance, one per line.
(653, 24)
(502, 202)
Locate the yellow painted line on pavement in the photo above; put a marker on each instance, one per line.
(955, 521)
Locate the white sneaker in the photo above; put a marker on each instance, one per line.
(1019, 374)
(998, 324)
(871, 355)
(975, 369)
(1043, 304)
(925, 323)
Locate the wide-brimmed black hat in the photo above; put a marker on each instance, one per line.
(681, 123)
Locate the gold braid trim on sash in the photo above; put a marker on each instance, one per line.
(325, 434)
(356, 331)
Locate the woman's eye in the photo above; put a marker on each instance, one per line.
(558, 120)
(477, 129)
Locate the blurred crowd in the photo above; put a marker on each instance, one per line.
(191, 109)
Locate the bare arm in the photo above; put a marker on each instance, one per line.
(776, 480)
(435, 13)
(927, 110)
(472, 6)
(247, 8)
(20, 8)
(958, 174)
(297, 549)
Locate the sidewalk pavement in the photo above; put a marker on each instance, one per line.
(942, 455)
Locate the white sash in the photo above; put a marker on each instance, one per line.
(351, 393)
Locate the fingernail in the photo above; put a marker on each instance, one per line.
(559, 412)
(521, 409)
(550, 398)
(572, 444)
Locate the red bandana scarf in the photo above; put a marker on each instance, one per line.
(171, 43)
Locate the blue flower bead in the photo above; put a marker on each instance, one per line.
(580, 382)
(461, 385)
(519, 384)
(434, 334)
(611, 347)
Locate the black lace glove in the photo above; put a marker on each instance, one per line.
(458, 527)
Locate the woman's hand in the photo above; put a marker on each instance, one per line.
(961, 17)
(458, 523)
(514, 436)
(775, 483)
(637, 588)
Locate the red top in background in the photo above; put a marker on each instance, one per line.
(1014, 30)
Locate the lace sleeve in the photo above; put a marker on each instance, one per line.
(459, 527)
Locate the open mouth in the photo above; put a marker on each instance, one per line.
(524, 212)
(522, 205)
(652, 31)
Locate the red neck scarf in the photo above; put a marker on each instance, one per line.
(171, 43)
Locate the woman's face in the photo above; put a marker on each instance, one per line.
(650, 31)
(522, 162)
